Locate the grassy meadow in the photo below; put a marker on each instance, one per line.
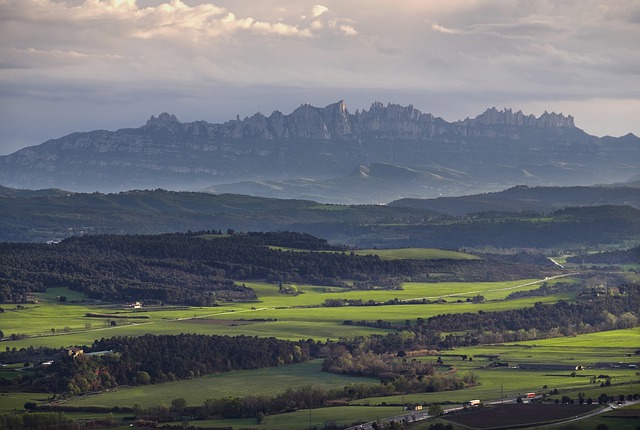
(318, 418)
(195, 391)
(51, 323)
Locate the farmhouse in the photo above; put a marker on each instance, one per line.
(133, 305)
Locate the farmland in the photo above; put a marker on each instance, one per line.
(286, 316)
(292, 315)
(364, 332)
(194, 391)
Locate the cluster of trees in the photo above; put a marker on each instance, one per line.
(153, 359)
(366, 363)
(36, 420)
(405, 375)
(602, 399)
(187, 268)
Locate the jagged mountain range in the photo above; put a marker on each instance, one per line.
(328, 154)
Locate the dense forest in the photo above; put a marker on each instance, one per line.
(202, 268)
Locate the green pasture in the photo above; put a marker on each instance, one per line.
(318, 418)
(38, 319)
(280, 315)
(627, 339)
(238, 384)
(10, 402)
(57, 292)
(451, 292)
(288, 323)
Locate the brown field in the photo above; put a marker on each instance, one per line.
(512, 415)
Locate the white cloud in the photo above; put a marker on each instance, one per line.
(441, 29)
(348, 30)
(318, 10)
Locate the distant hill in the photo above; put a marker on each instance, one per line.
(395, 151)
(52, 218)
(376, 183)
(627, 256)
(13, 192)
(533, 199)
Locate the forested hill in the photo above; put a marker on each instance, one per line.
(531, 199)
(627, 256)
(43, 216)
(40, 216)
(206, 267)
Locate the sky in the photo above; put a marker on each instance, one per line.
(81, 65)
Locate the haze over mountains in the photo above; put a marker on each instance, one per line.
(330, 155)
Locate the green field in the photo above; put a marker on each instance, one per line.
(285, 316)
(316, 417)
(195, 391)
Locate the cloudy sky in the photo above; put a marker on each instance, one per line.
(80, 65)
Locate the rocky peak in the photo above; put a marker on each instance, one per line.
(555, 120)
(493, 116)
(326, 123)
(164, 120)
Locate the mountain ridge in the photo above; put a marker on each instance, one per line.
(496, 149)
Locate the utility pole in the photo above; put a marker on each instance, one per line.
(309, 409)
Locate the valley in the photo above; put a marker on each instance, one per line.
(579, 341)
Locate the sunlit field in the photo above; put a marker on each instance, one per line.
(195, 391)
(50, 323)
